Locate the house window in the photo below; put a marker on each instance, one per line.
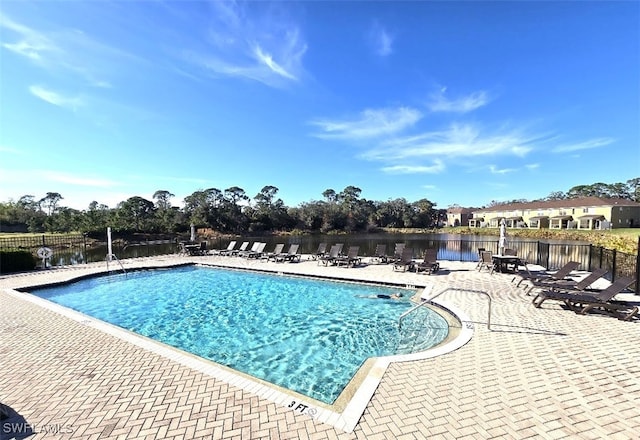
(585, 210)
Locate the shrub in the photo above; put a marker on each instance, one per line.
(16, 261)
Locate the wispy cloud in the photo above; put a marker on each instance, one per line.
(495, 170)
(67, 50)
(438, 102)
(241, 43)
(56, 98)
(380, 40)
(586, 145)
(457, 140)
(437, 167)
(371, 123)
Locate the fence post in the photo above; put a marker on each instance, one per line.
(589, 258)
(44, 243)
(638, 268)
(84, 246)
(613, 268)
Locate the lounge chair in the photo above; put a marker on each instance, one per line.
(429, 262)
(560, 274)
(290, 256)
(330, 258)
(584, 301)
(397, 252)
(581, 285)
(525, 265)
(243, 248)
(406, 260)
(480, 251)
(486, 262)
(380, 254)
(257, 253)
(245, 252)
(321, 251)
(277, 250)
(227, 251)
(351, 259)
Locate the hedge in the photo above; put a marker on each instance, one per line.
(16, 261)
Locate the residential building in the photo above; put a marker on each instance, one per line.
(458, 216)
(582, 213)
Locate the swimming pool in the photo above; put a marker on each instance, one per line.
(307, 335)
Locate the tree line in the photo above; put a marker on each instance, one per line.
(233, 211)
(630, 190)
(227, 211)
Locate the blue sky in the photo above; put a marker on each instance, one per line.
(457, 102)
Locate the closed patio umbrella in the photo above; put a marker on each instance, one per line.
(193, 233)
(502, 242)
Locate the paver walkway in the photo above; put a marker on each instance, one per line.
(538, 373)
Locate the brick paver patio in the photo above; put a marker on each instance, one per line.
(538, 373)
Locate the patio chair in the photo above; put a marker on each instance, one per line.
(581, 285)
(227, 251)
(330, 258)
(429, 263)
(321, 251)
(560, 274)
(480, 251)
(380, 254)
(243, 248)
(257, 253)
(406, 260)
(486, 262)
(244, 252)
(351, 259)
(397, 252)
(277, 250)
(584, 301)
(290, 256)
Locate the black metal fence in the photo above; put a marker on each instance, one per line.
(77, 249)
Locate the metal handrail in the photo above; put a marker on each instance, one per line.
(428, 301)
(109, 257)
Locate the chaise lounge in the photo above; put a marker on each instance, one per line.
(584, 302)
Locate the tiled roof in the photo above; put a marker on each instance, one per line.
(564, 203)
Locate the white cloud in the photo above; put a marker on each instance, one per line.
(381, 40)
(371, 123)
(586, 145)
(67, 50)
(532, 166)
(242, 43)
(439, 103)
(495, 170)
(437, 167)
(56, 98)
(458, 140)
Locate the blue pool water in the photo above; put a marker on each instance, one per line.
(307, 335)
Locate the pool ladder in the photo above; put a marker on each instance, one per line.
(428, 301)
(113, 256)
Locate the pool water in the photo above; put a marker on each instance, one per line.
(307, 335)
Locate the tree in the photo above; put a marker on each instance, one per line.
(136, 213)
(163, 199)
(51, 201)
(556, 195)
(329, 195)
(166, 216)
(634, 189)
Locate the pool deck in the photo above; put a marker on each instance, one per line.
(537, 373)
